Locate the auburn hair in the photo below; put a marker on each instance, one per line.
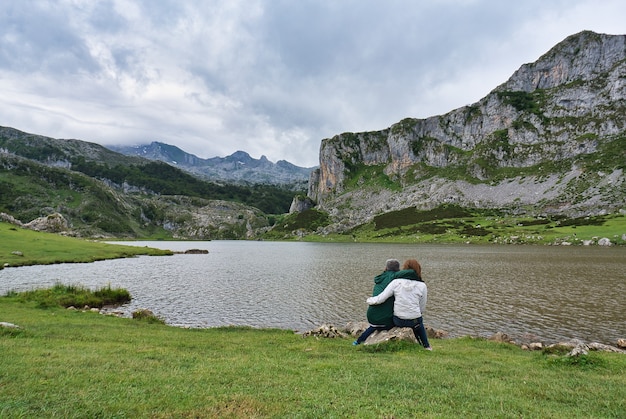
(413, 264)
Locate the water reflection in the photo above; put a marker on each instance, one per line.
(549, 293)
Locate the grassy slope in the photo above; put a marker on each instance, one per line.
(72, 364)
(472, 226)
(46, 248)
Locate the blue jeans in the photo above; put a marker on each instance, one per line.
(417, 325)
(369, 331)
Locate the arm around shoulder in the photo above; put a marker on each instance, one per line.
(383, 296)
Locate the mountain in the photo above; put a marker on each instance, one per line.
(33, 194)
(239, 167)
(100, 192)
(550, 140)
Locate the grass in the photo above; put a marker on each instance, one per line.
(23, 247)
(451, 224)
(73, 364)
(74, 296)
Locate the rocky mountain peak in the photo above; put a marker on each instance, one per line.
(580, 57)
(550, 139)
(239, 167)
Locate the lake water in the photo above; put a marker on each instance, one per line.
(539, 293)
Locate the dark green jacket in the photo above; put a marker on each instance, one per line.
(382, 314)
(407, 274)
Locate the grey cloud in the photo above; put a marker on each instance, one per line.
(269, 77)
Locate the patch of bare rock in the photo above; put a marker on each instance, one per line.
(354, 329)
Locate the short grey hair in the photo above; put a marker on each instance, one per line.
(393, 265)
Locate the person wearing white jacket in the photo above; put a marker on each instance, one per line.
(410, 294)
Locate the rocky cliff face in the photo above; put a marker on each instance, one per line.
(551, 138)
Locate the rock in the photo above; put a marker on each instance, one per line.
(595, 346)
(621, 343)
(53, 223)
(397, 333)
(142, 313)
(604, 242)
(17, 253)
(571, 344)
(435, 333)
(501, 337)
(196, 252)
(580, 349)
(356, 328)
(535, 346)
(300, 204)
(10, 219)
(9, 325)
(326, 331)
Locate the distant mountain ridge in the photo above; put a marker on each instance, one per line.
(239, 167)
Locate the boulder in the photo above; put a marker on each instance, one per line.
(397, 333)
(580, 349)
(9, 219)
(53, 223)
(356, 328)
(621, 343)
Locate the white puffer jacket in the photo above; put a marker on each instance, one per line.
(410, 297)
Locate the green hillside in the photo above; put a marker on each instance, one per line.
(101, 192)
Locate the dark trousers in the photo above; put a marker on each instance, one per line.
(417, 325)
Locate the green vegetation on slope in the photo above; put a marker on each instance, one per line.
(452, 224)
(161, 178)
(455, 224)
(305, 221)
(71, 364)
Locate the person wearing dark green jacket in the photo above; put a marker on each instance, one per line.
(380, 317)
(410, 294)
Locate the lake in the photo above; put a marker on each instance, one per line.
(540, 293)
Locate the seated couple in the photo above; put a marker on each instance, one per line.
(398, 300)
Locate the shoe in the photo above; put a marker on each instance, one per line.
(356, 342)
(430, 348)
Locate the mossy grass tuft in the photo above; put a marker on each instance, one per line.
(61, 295)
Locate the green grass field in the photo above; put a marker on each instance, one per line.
(72, 364)
(22, 247)
(480, 227)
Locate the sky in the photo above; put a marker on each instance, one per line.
(269, 77)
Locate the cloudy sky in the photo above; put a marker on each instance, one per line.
(270, 77)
